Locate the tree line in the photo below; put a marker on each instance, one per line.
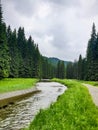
(86, 68)
(20, 57)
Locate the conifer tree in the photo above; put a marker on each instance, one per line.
(69, 70)
(13, 50)
(21, 41)
(60, 70)
(91, 55)
(80, 68)
(4, 51)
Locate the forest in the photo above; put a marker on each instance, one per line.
(86, 68)
(20, 57)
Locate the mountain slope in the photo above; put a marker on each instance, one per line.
(54, 60)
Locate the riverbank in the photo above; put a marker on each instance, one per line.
(12, 90)
(74, 110)
(14, 84)
(10, 97)
(20, 114)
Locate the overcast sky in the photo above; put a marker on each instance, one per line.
(60, 27)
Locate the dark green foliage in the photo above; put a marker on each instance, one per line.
(4, 51)
(36, 62)
(53, 67)
(48, 70)
(13, 50)
(72, 70)
(20, 57)
(60, 70)
(84, 68)
(92, 56)
(75, 70)
(21, 42)
(54, 61)
(80, 67)
(87, 68)
(69, 70)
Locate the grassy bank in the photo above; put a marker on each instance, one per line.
(14, 84)
(94, 83)
(74, 110)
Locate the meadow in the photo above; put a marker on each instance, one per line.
(13, 84)
(74, 110)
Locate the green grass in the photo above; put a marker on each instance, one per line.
(94, 83)
(14, 84)
(74, 110)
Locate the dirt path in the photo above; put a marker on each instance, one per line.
(94, 93)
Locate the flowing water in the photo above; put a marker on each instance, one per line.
(19, 115)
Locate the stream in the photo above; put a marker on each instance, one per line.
(21, 113)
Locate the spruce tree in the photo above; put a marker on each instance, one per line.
(62, 70)
(58, 69)
(4, 51)
(13, 49)
(37, 64)
(75, 70)
(69, 70)
(91, 57)
(84, 68)
(80, 68)
(21, 42)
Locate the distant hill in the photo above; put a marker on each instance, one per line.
(54, 60)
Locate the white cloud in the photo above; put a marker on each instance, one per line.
(61, 28)
(43, 10)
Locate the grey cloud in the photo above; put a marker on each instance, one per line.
(66, 23)
(28, 7)
(25, 7)
(94, 10)
(60, 38)
(64, 2)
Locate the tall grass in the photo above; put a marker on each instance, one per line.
(74, 110)
(14, 84)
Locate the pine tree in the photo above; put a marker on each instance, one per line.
(58, 69)
(80, 68)
(96, 60)
(69, 70)
(75, 70)
(37, 64)
(91, 55)
(29, 58)
(13, 50)
(4, 51)
(84, 68)
(62, 70)
(21, 42)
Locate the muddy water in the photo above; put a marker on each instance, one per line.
(19, 115)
